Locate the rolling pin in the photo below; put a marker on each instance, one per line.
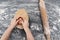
(44, 19)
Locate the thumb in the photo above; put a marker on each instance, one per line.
(17, 21)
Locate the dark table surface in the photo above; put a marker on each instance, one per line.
(9, 7)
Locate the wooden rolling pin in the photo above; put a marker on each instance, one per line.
(44, 19)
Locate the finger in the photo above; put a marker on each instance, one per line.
(26, 21)
(17, 20)
(14, 19)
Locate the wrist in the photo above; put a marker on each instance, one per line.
(11, 26)
(26, 29)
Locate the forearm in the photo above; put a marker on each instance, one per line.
(7, 33)
(29, 34)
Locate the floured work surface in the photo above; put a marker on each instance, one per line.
(9, 7)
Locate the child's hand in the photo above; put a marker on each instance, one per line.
(14, 22)
(25, 24)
